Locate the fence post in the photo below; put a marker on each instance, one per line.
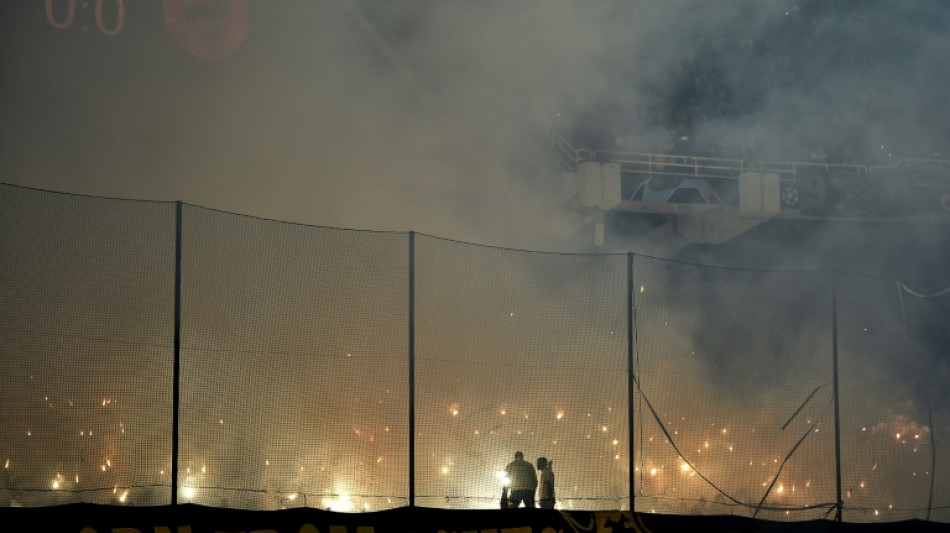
(834, 351)
(630, 379)
(412, 369)
(176, 348)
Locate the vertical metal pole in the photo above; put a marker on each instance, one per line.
(834, 334)
(630, 380)
(412, 369)
(176, 348)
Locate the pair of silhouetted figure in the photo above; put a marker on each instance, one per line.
(525, 480)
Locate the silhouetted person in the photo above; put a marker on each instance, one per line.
(545, 483)
(524, 481)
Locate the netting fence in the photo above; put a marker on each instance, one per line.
(153, 353)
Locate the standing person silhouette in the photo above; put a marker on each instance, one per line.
(524, 481)
(545, 484)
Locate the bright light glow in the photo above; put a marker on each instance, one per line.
(188, 492)
(341, 504)
(503, 477)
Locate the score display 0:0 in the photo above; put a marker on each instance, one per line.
(64, 24)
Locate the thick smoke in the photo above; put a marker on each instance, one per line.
(430, 116)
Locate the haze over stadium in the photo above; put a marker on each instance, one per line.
(430, 116)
